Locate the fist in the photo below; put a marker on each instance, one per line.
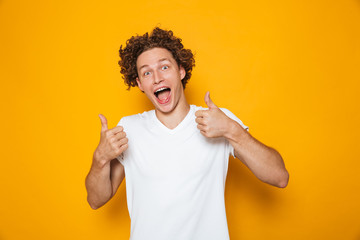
(213, 122)
(113, 142)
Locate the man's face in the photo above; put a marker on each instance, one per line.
(160, 78)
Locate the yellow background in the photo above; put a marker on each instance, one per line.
(290, 70)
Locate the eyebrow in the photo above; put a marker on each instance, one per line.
(160, 60)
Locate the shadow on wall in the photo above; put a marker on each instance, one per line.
(117, 211)
(244, 184)
(244, 191)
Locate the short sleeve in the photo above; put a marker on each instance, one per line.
(121, 156)
(233, 117)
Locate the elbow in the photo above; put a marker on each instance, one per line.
(283, 182)
(283, 177)
(92, 204)
(94, 207)
(97, 203)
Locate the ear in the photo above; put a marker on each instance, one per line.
(139, 84)
(182, 72)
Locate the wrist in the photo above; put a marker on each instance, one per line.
(98, 161)
(234, 131)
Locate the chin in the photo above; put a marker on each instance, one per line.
(165, 109)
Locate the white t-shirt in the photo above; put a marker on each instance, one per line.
(175, 179)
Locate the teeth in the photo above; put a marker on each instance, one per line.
(160, 89)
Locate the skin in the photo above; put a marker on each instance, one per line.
(157, 68)
(265, 162)
(106, 172)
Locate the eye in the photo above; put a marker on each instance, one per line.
(146, 73)
(165, 67)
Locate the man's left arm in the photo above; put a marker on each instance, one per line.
(265, 162)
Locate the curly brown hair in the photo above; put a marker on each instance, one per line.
(158, 38)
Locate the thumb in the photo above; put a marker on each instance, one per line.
(103, 120)
(208, 101)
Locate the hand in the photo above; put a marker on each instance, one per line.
(113, 142)
(213, 122)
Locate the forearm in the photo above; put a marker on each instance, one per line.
(265, 162)
(98, 184)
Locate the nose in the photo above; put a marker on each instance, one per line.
(158, 77)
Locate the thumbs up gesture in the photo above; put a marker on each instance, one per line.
(113, 142)
(213, 122)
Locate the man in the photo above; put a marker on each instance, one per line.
(175, 157)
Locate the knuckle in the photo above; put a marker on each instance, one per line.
(118, 151)
(113, 145)
(111, 139)
(107, 133)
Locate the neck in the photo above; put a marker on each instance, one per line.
(172, 119)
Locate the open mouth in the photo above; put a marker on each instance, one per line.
(163, 94)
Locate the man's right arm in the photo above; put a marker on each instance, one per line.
(102, 182)
(106, 173)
